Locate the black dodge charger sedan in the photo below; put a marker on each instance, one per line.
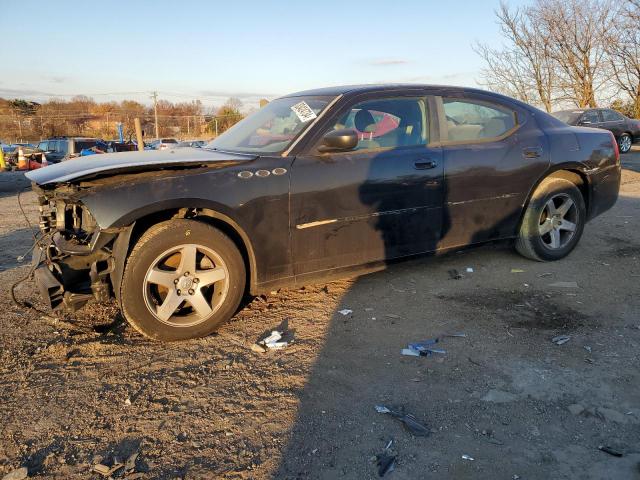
(318, 184)
(626, 130)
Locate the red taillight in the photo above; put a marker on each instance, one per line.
(616, 149)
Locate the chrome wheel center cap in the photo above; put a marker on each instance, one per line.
(185, 283)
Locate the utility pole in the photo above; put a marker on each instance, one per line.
(155, 111)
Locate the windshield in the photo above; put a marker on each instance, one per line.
(272, 128)
(568, 116)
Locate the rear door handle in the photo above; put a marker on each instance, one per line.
(425, 164)
(535, 152)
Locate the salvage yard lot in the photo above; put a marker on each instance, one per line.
(91, 390)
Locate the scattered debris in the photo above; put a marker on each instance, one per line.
(564, 284)
(345, 312)
(610, 450)
(543, 275)
(517, 270)
(587, 348)
(130, 464)
(386, 463)
(275, 340)
(424, 348)
(18, 474)
(561, 339)
(258, 348)
(107, 471)
(392, 315)
(127, 402)
(410, 422)
(468, 457)
(454, 274)
(469, 270)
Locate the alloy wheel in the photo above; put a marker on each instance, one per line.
(625, 143)
(558, 221)
(185, 285)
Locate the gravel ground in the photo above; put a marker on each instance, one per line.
(87, 389)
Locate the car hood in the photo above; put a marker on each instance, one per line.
(113, 163)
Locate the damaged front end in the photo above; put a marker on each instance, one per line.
(75, 260)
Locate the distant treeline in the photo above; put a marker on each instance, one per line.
(23, 120)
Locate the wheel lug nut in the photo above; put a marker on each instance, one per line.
(175, 282)
(179, 292)
(192, 291)
(196, 280)
(186, 274)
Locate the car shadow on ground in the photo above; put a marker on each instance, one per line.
(496, 403)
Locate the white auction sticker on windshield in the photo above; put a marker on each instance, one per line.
(303, 111)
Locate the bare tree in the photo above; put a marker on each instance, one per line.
(576, 33)
(524, 68)
(623, 48)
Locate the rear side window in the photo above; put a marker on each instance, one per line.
(591, 117)
(44, 146)
(63, 146)
(387, 123)
(611, 116)
(469, 120)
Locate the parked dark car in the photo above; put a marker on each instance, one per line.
(626, 130)
(57, 149)
(310, 188)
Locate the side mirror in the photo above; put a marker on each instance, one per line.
(339, 141)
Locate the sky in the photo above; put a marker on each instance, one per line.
(210, 50)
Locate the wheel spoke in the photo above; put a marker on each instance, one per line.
(162, 277)
(565, 207)
(555, 238)
(551, 208)
(188, 259)
(170, 304)
(207, 277)
(545, 227)
(568, 226)
(200, 304)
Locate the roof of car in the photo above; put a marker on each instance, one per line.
(343, 89)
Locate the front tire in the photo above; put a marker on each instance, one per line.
(182, 280)
(553, 222)
(624, 143)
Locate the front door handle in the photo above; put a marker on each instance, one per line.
(425, 164)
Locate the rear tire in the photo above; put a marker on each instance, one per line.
(553, 222)
(624, 143)
(182, 280)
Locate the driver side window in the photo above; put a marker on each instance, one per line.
(387, 123)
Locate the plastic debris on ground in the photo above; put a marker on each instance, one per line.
(517, 270)
(386, 461)
(468, 457)
(610, 450)
(345, 312)
(561, 339)
(275, 340)
(410, 422)
(426, 348)
(469, 270)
